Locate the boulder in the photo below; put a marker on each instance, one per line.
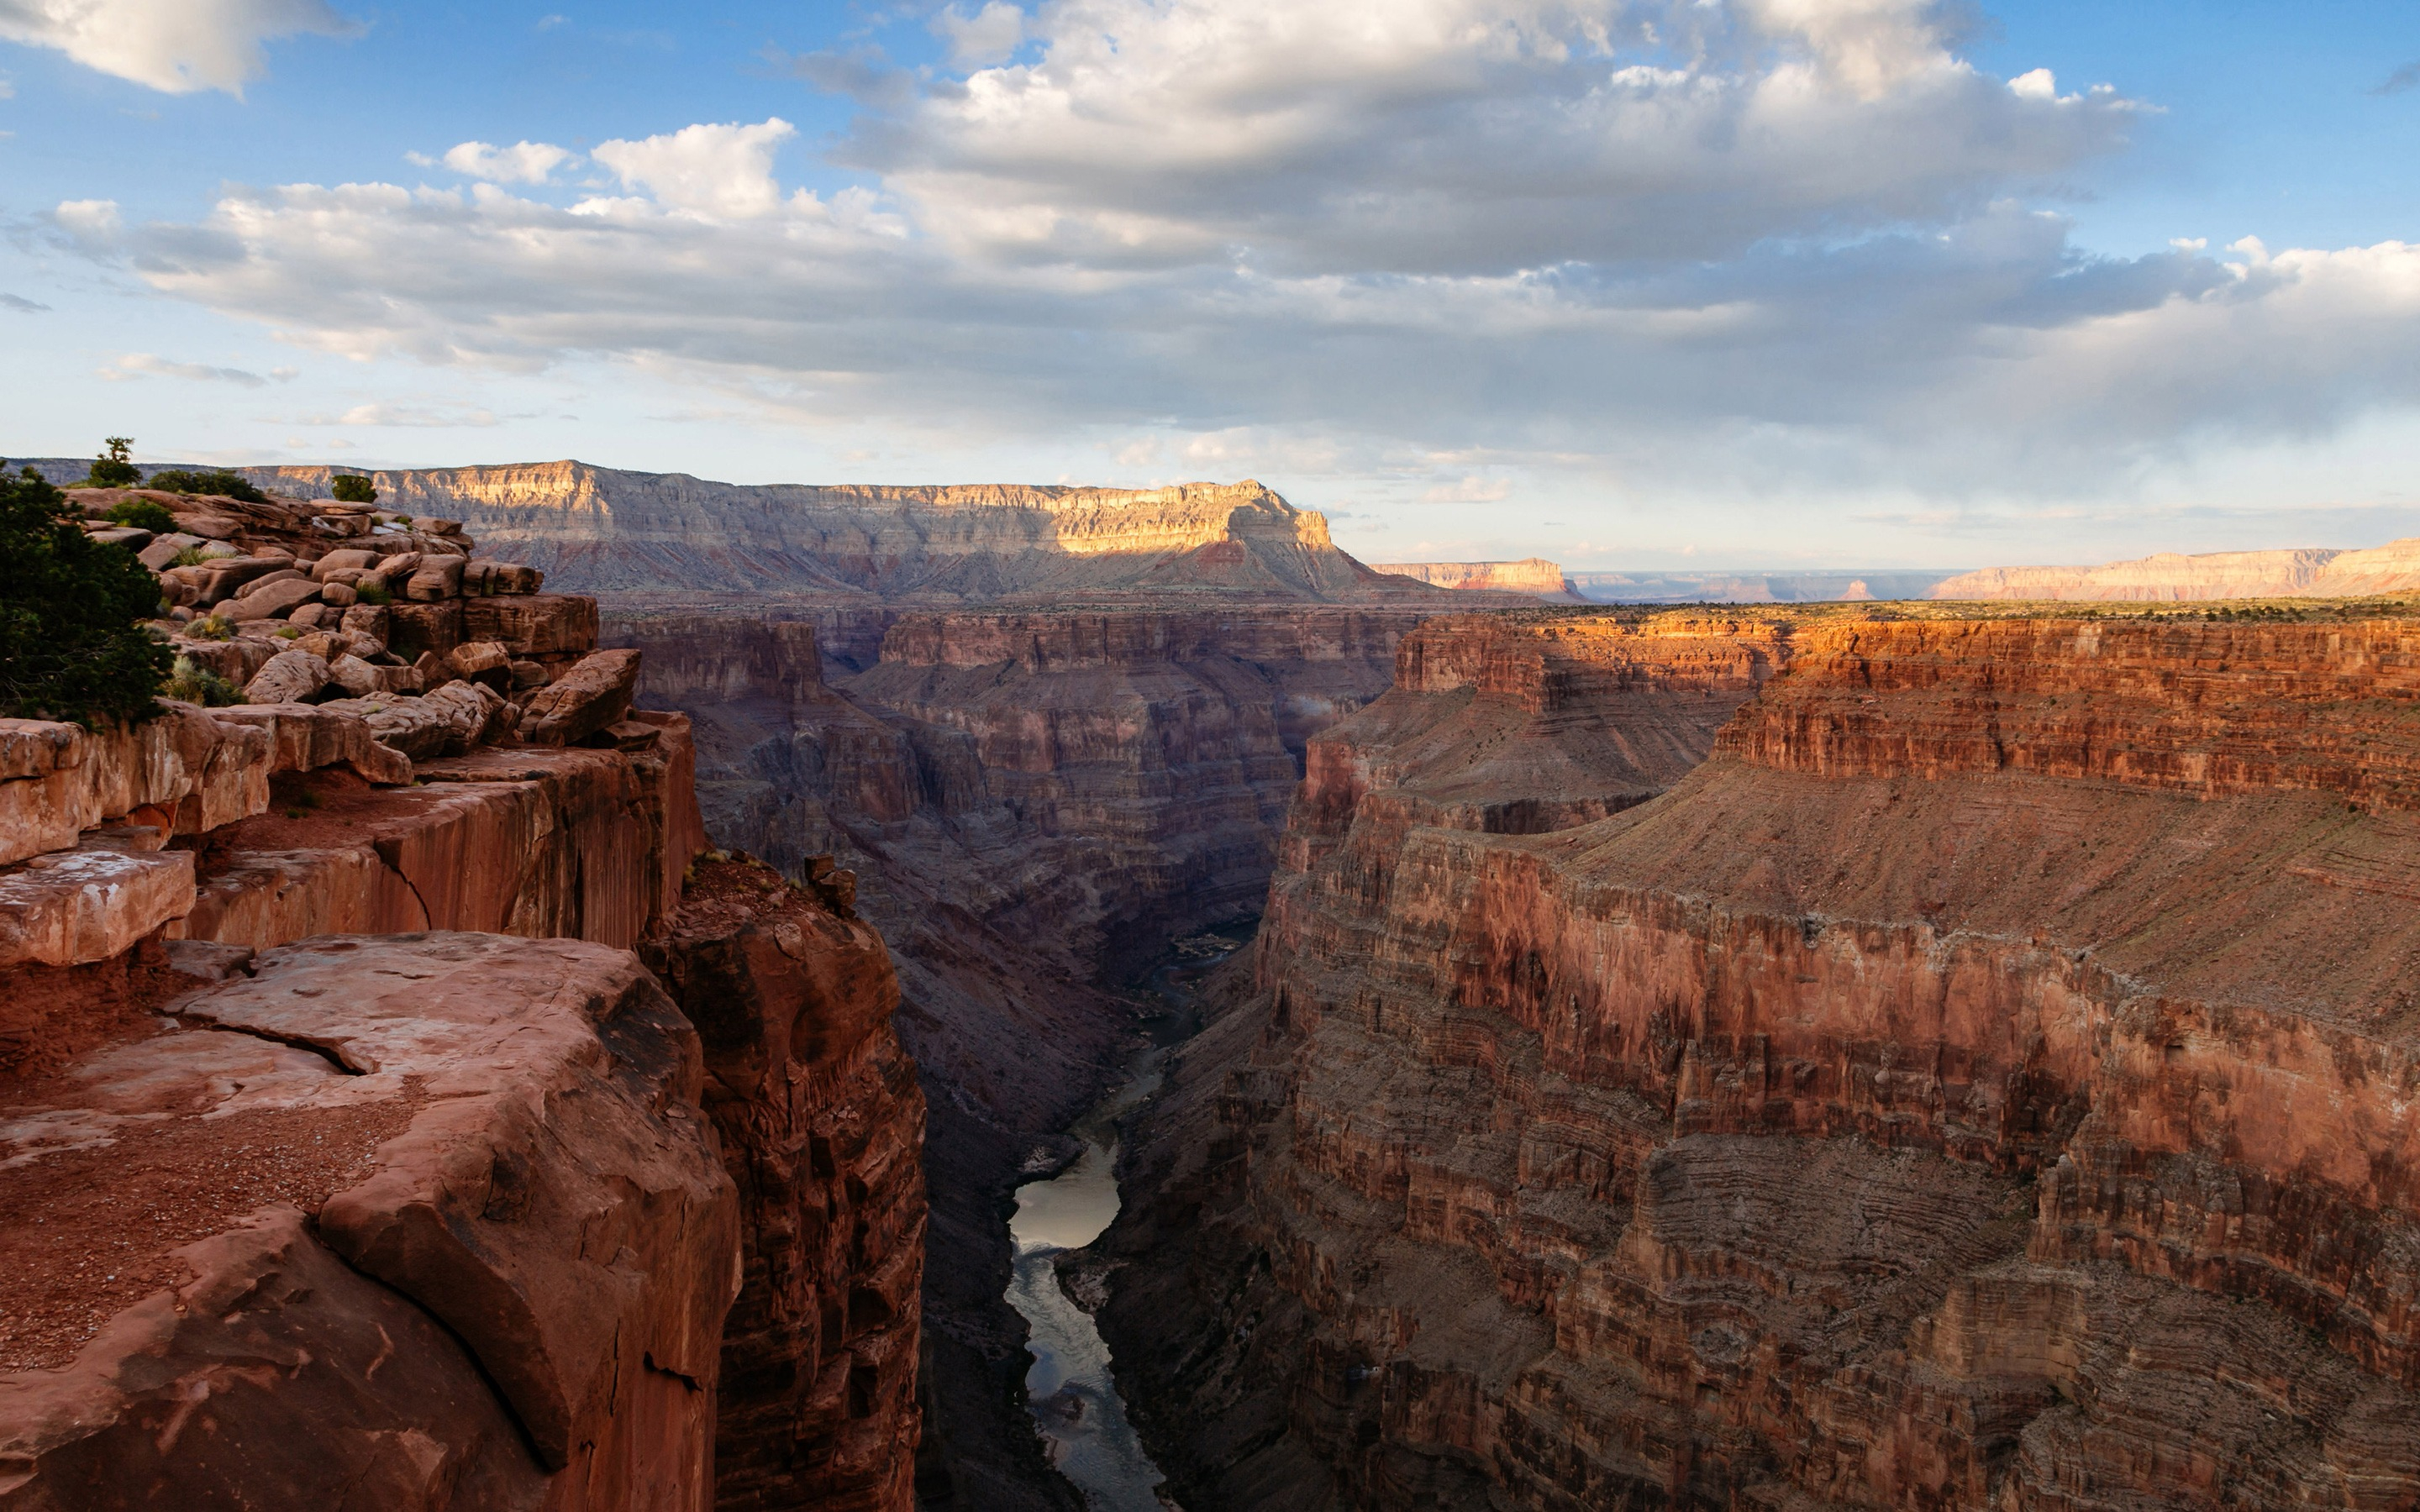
(307, 737)
(68, 908)
(481, 660)
(357, 677)
(420, 627)
(289, 677)
(344, 558)
(164, 549)
(367, 619)
(446, 722)
(239, 661)
(534, 625)
(528, 675)
(274, 600)
(208, 526)
(310, 615)
(219, 580)
(341, 596)
(594, 694)
(436, 580)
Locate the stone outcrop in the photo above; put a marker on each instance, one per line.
(605, 530)
(822, 1125)
(518, 1155)
(353, 1158)
(1975, 1085)
(1534, 576)
(2169, 576)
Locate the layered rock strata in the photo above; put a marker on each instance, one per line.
(2170, 576)
(607, 531)
(822, 1126)
(1030, 802)
(1975, 1085)
(1534, 576)
(436, 1200)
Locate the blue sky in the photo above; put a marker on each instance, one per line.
(1760, 283)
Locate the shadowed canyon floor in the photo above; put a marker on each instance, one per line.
(1981, 1081)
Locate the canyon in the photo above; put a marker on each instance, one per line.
(2171, 576)
(1534, 576)
(1915, 1055)
(1810, 1061)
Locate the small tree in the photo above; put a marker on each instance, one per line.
(352, 489)
(217, 481)
(111, 469)
(144, 514)
(72, 645)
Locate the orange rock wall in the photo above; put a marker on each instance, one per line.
(1980, 1083)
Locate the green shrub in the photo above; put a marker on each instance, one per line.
(217, 481)
(352, 489)
(72, 645)
(197, 683)
(212, 628)
(144, 514)
(189, 557)
(290, 632)
(111, 469)
(371, 590)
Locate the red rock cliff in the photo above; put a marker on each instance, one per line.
(1976, 1086)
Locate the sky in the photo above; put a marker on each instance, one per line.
(1633, 286)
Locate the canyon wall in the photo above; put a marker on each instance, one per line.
(353, 1158)
(2169, 576)
(1030, 804)
(1530, 574)
(1981, 1083)
(601, 530)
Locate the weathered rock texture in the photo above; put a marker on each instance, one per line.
(1030, 802)
(822, 1126)
(510, 1295)
(600, 530)
(2311, 572)
(1530, 574)
(1980, 1083)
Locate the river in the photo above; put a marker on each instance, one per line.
(1073, 1398)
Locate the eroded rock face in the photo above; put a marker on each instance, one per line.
(537, 1176)
(1975, 1085)
(823, 1130)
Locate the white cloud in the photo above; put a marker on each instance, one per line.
(524, 163)
(144, 365)
(990, 35)
(416, 416)
(92, 223)
(1781, 245)
(178, 46)
(718, 170)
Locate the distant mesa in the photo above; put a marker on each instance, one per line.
(1751, 587)
(1530, 574)
(607, 532)
(2316, 572)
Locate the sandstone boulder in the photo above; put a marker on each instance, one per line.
(192, 770)
(481, 660)
(338, 596)
(70, 907)
(435, 579)
(239, 661)
(445, 722)
(164, 549)
(273, 601)
(309, 737)
(343, 558)
(594, 694)
(357, 677)
(534, 625)
(367, 619)
(289, 677)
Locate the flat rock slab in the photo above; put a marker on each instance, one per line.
(504, 1288)
(58, 781)
(70, 907)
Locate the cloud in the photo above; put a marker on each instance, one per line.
(1777, 243)
(134, 365)
(988, 37)
(524, 163)
(437, 417)
(1470, 490)
(177, 46)
(92, 224)
(21, 305)
(2406, 77)
(724, 171)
